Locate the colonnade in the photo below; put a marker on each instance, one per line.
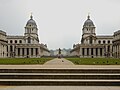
(27, 52)
(116, 50)
(92, 52)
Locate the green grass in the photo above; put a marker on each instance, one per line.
(95, 61)
(22, 61)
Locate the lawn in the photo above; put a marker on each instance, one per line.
(19, 61)
(95, 61)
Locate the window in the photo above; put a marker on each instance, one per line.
(15, 41)
(99, 42)
(20, 41)
(104, 42)
(108, 41)
(11, 41)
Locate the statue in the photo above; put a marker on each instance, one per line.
(59, 53)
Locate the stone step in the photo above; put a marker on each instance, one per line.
(114, 77)
(60, 70)
(25, 82)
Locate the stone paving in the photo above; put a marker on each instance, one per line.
(58, 61)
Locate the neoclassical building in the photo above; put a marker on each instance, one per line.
(3, 44)
(116, 44)
(26, 46)
(92, 45)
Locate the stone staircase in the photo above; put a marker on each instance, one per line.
(60, 77)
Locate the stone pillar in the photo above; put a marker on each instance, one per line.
(25, 52)
(29, 52)
(89, 52)
(34, 55)
(119, 50)
(94, 52)
(39, 52)
(85, 50)
(116, 51)
(80, 52)
(16, 52)
(20, 52)
(99, 52)
(102, 52)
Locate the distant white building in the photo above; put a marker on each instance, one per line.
(92, 45)
(64, 52)
(23, 46)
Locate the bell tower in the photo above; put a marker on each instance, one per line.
(88, 32)
(88, 28)
(31, 32)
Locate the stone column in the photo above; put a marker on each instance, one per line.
(94, 52)
(117, 51)
(34, 55)
(102, 52)
(89, 52)
(85, 52)
(29, 52)
(80, 52)
(39, 52)
(99, 52)
(16, 52)
(20, 52)
(25, 52)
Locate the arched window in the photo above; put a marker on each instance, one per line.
(20, 41)
(108, 41)
(29, 40)
(11, 41)
(99, 42)
(15, 41)
(104, 42)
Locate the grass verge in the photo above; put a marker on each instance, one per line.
(95, 61)
(22, 61)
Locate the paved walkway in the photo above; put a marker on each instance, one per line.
(58, 61)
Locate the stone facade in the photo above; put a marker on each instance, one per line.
(26, 46)
(92, 45)
(3, 44)
(116, 44)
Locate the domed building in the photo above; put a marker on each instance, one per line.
(92, 45)
(27, 45)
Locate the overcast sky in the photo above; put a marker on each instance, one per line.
(60, 21)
